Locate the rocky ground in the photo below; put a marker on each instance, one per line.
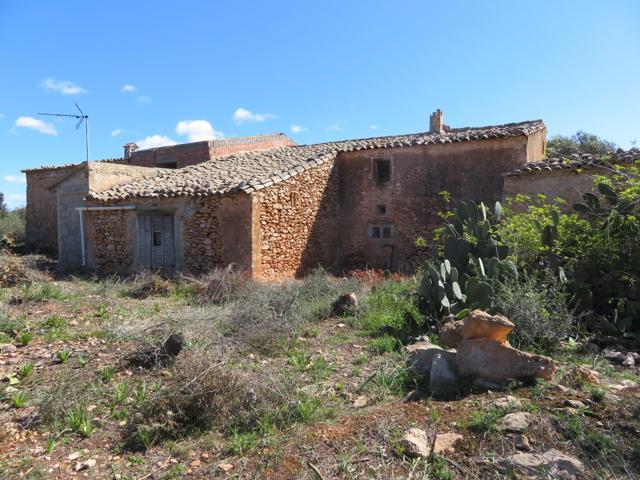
(362, 415)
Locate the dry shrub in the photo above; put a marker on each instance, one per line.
(265, 316)
(16, 270)
(207, 390)
(216, 286)
(146, 283)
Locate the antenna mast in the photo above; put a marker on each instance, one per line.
(81, 118)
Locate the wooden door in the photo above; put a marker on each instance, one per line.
(156, 240)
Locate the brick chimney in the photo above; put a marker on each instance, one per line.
(129, 148)
(436, 122)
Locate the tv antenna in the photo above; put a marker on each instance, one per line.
(81, 118)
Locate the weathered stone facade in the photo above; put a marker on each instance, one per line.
(113, 248)
(281, 212)
(42, 208)
(409, 203)
(298, 223)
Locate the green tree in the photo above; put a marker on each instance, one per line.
(581, 142)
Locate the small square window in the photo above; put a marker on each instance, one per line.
(375, 232)
(382, 171)
(381, 209)
(157, 239)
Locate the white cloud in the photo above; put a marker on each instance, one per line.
(36, 124)
(14, 200)
(16, 178)
(242, 115)
(1, 116)
(298, 128)
(64, 87)
(334, 127)
(373, 127)
(116, 132)
(197, 130)
(128, 88)
(142, 99)
(154, 141)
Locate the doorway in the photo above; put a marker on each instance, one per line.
(156, 240)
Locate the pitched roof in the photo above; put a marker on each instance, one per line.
(253, 171)
(577, 161)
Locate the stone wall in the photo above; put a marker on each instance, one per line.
(218, 233)
(112, 246)
(409, 203)
(42, 208)
(197, 152)
(297, 222)
(566, 184)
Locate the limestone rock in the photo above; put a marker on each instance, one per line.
(346, 304)
(7, 348)
(521, 442)
(479, 324)
(515, 422)
(445, 443)
(507, 402)
(451, 333)
(541, 465)
(416, 443)
(443, 381)
(489, 360)
(577, 404)
(579, 375)
(421, 356)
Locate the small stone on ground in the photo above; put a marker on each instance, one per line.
(515, 422)
(416, 443)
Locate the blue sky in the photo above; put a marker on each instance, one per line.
(160, 71)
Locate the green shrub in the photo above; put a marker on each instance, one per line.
(78, 420)
(41, 292)
(391, 308)
(539, 308)
(383, 344)
(18, 399)
(13, 225)
(486, 421)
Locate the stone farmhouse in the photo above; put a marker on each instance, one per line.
(269, 206)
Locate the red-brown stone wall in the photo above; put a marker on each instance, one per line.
(202, 237)
(298, 230)
(113, 246)
(468, 170)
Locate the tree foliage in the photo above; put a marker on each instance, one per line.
(581, 142)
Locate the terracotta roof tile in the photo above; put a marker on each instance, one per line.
(577, 161)
(251, 171)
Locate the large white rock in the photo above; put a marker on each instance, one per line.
(421, 356)
(541, 465)
(488, 360)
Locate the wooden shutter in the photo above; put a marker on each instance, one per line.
(168, 251)
(144, 239)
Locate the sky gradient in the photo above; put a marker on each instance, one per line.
(160, 72)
